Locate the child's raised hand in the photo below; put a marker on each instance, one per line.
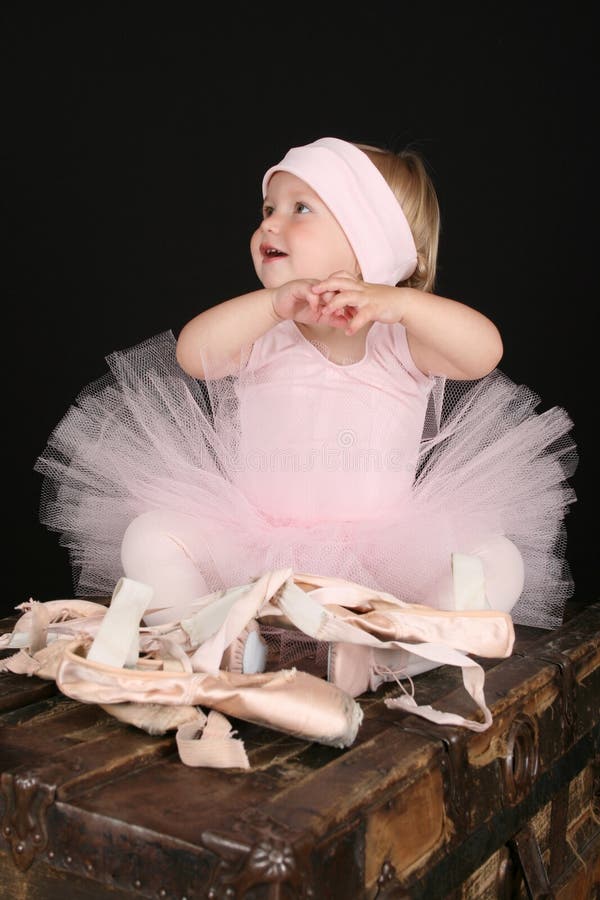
(297, 300)
(349, 303)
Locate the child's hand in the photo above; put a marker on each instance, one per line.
(297, 300)
(350, 303)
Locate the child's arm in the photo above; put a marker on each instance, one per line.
(220, 333)
(445, 337)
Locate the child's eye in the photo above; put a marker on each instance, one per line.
(301, 208)
(266, 211)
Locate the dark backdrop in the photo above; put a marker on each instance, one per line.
(136, 143)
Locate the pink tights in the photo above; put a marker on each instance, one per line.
(167, 550)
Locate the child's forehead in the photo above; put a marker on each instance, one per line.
(282, 183)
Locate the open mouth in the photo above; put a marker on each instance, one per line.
(269, 253)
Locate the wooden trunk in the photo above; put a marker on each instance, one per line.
(92, 808)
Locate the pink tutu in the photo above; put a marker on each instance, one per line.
(356, 470)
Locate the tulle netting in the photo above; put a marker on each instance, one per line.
(287, 647)
(146, 436)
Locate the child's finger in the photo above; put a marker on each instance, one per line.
(340, 318)
(327, 297)
(356, 324)
(314, 301)
(335, 283)
(342, 299)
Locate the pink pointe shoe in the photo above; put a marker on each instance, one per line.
(247, 654)
(356, 669)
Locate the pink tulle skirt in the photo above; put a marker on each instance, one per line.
(148, 437)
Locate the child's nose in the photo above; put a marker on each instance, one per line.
(271, 224)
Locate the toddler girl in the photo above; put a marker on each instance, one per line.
(342, 420)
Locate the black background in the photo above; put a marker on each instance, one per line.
(136, 143)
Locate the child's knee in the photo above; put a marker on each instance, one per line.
(504, 572)
(152, 538)
(162, 549)
(503, 579)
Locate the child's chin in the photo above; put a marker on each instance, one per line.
(273, 279)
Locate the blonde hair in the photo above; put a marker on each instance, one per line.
(408, 178)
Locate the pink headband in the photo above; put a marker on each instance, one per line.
(363, 203)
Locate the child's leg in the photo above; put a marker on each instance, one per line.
(166, 550)
(503, 571)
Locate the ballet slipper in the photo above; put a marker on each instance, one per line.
(41, 622)
(291, 701)
(387, 621)
(247, 653)
(349, 667)
(356, 669)
(428, 638)
(236, 610)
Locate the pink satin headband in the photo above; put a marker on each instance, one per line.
(362, 202)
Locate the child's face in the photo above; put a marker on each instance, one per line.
(298, 236)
